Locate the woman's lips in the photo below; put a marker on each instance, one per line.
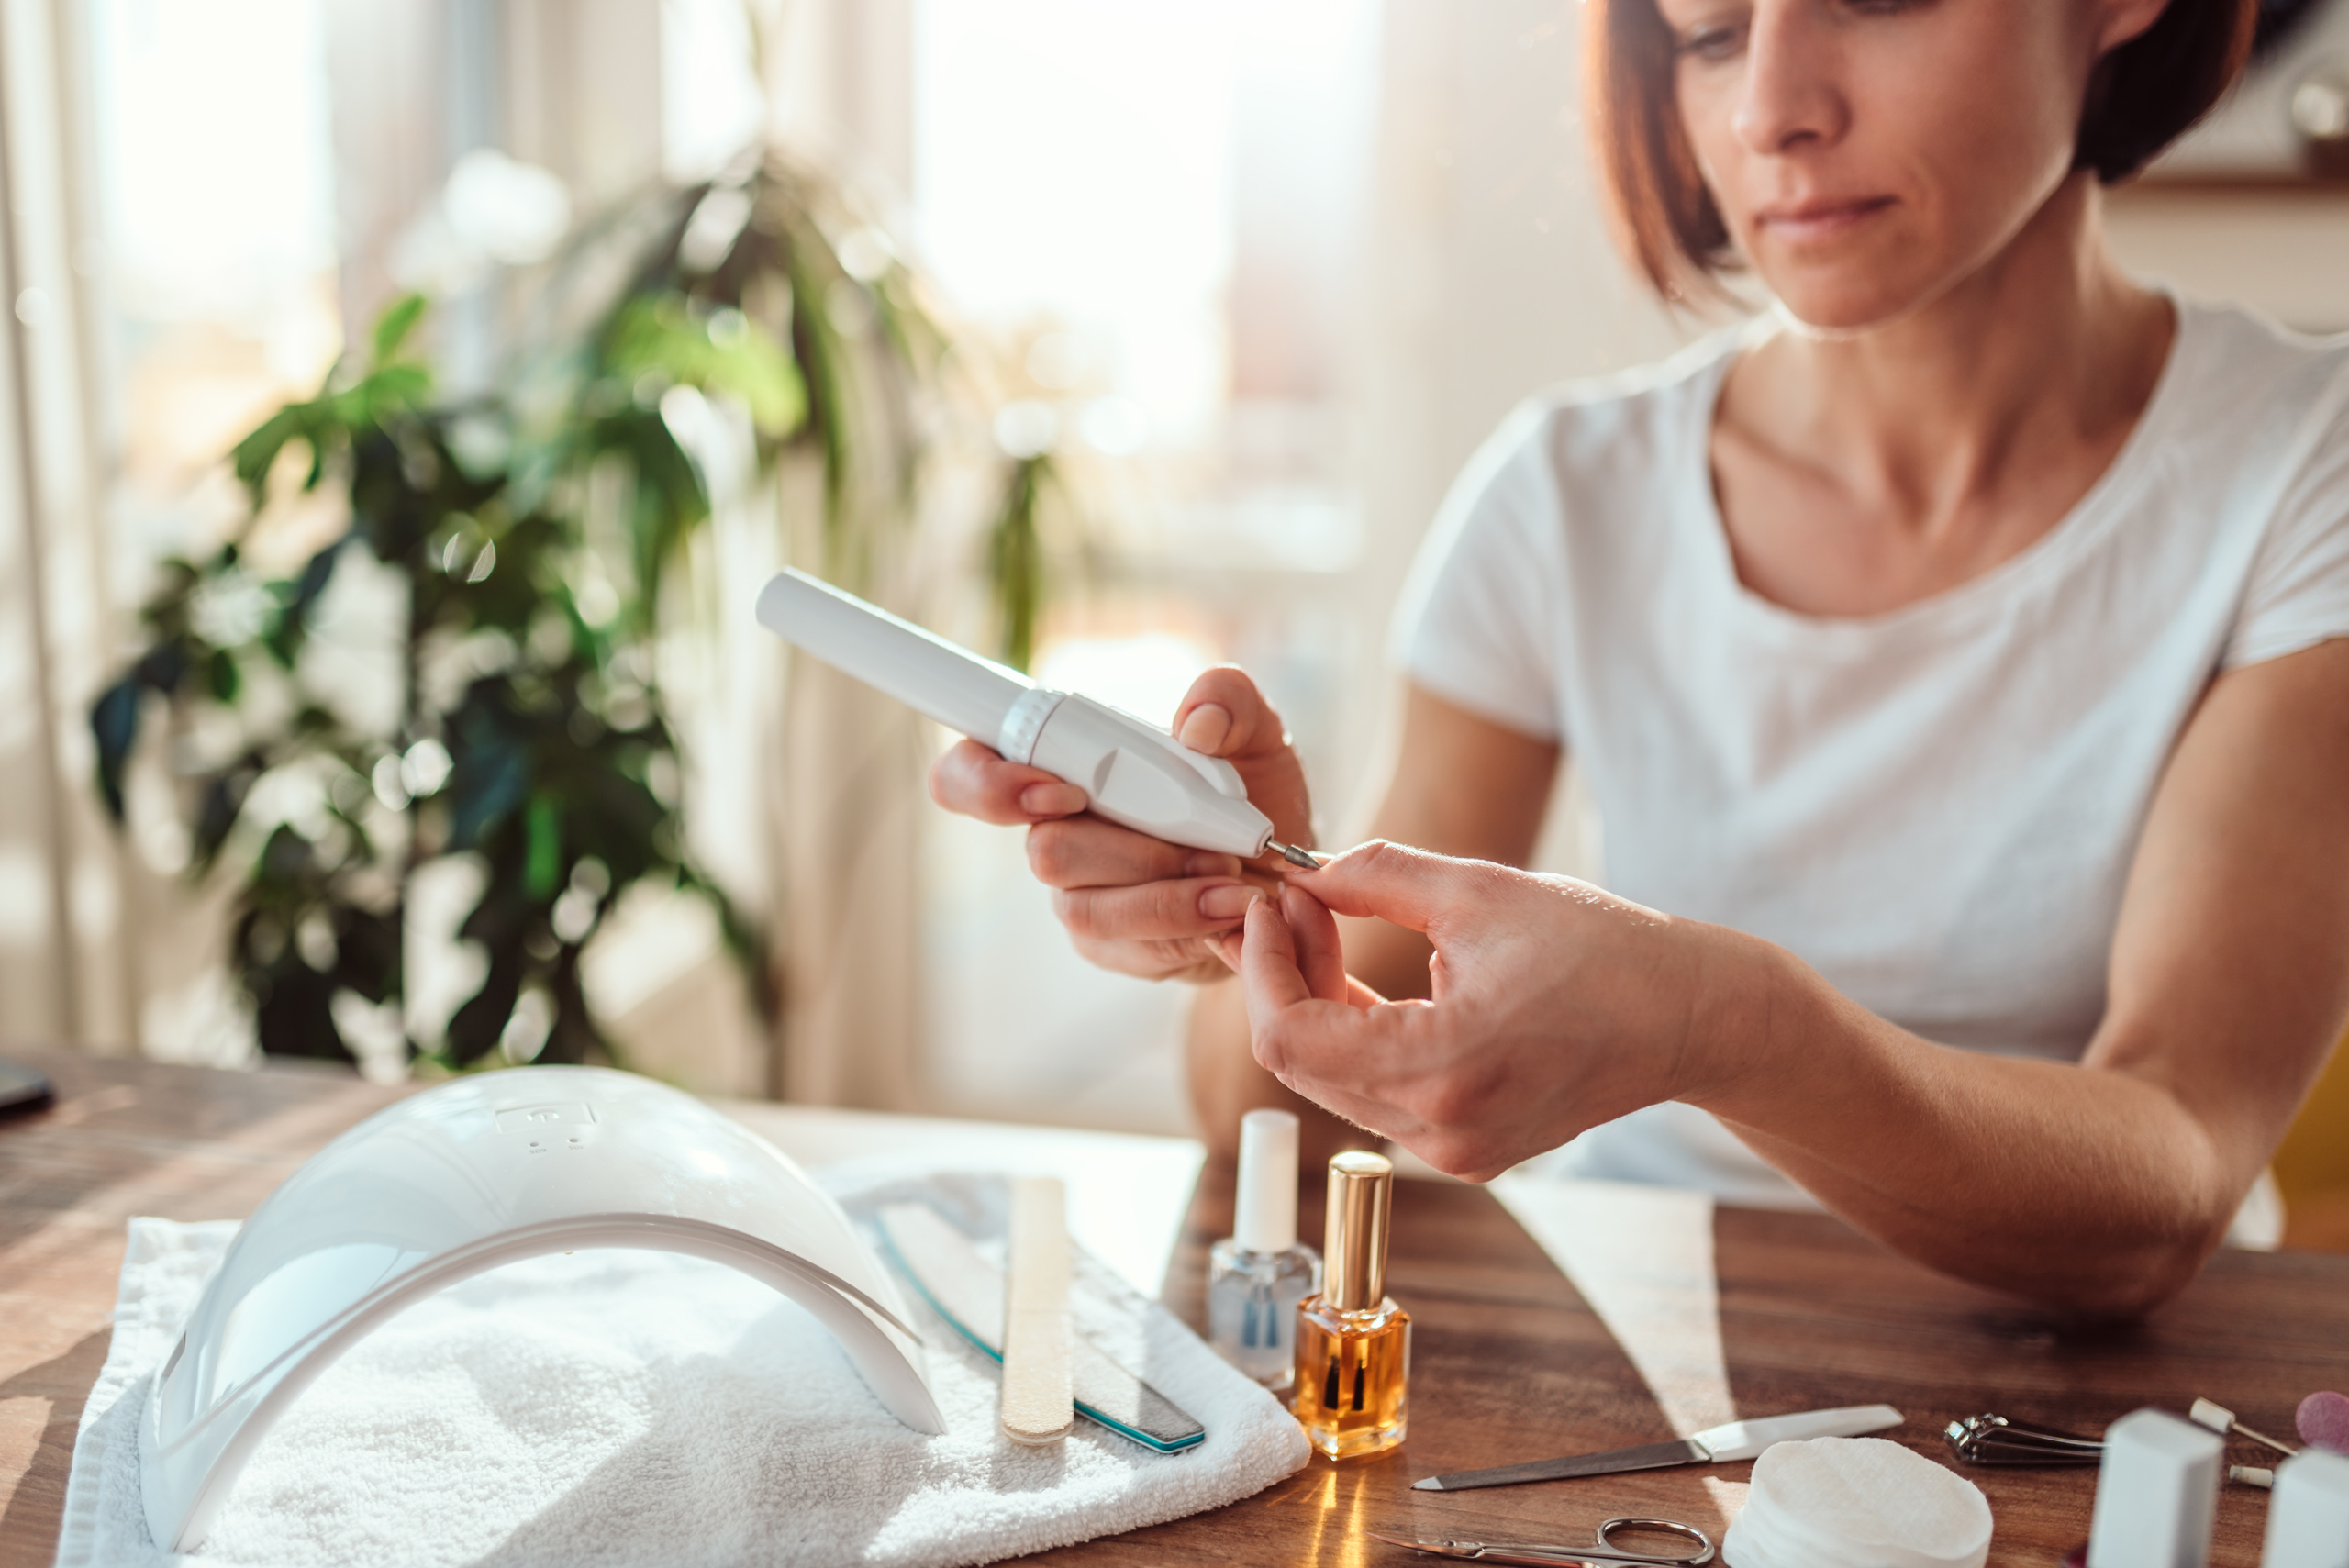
(1808, 222)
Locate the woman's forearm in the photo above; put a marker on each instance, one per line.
(2102, 1186)
(2081, 1187)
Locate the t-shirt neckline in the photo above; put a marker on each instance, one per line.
(2089, 518)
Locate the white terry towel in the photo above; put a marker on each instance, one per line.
(627, 1408)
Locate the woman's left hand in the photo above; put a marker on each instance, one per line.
(1555, 1006)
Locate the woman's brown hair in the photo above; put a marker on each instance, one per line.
(2145, 95)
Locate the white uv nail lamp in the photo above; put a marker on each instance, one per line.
(482, 1171)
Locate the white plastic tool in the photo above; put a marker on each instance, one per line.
(1133, 772)
(1747, 1439)
(2157, 1493)
(2308, 1521)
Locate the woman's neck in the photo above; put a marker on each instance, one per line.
(1931, 446)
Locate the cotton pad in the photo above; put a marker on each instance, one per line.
(2323, 1421)
(1857, 1502)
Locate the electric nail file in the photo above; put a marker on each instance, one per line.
(1131, 771)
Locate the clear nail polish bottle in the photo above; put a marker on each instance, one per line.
(1257, 1275)
(1353, 1344)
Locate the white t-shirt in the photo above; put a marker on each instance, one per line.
(1935, 807)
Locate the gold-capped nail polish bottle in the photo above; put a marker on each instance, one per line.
(1353, 1344)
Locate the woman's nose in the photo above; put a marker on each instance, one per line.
(1791, 93)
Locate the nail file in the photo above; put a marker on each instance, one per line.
(969, 1293)
(1039, 1402)
(2157, 1493)
(2308, 1524)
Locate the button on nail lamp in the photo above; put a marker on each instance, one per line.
(485, 1170)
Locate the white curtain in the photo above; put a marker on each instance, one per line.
(69, 900)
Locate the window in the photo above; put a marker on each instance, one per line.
(1154, 208)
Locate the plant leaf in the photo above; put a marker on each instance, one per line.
(392, 327)
(114, 725)
(1016, 558)
(474, 1027)
(542, 858)
(256, 453)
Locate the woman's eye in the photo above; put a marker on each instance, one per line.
(1711, 41)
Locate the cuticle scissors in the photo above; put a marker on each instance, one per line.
(1603, 1554)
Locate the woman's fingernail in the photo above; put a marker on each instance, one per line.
(1050, 799)
(1206, 728)
(1228, 902)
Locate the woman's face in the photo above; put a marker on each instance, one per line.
(1868, 155)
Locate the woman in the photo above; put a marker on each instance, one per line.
(1954, 660)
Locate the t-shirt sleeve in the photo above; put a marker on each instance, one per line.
(1473, 626)
(2297, 595)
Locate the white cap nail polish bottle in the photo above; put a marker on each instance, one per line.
(1256, 1276)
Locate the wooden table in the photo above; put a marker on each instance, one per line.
(1509, 1363)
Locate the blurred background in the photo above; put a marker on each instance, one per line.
(1164, 327)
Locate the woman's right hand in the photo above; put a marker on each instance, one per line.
(1131, 903)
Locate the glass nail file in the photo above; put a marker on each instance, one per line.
(1714, 1445)
(1131, 771)
(968, 1291)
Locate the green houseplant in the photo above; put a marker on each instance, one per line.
(529, 730)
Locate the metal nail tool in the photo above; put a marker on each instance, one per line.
(1715, 1445)
(1997, 1440)
(1297, 857)
(2221, 1421)
(1601, 1554)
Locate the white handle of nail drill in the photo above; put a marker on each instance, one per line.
(1131, 771)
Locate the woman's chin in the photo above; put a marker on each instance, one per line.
(1844, 306)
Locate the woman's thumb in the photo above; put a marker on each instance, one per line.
(1400, 885)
